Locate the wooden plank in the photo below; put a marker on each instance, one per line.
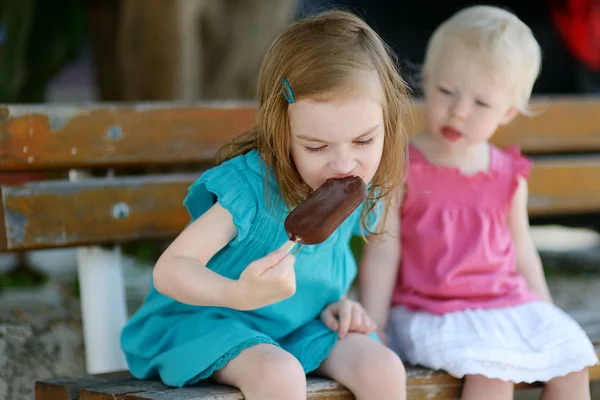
(322, 389)
(45, 137)
(62, 213)
(103, 135)
(95, 211)
(563, 185)
(68, 388)
(422, 384)
(561, 124)
(63, 389)
(317, 389)
(120, 389)
(187, 393)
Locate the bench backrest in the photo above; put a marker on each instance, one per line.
(564, 141)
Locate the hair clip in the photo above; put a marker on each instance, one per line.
(286, 89)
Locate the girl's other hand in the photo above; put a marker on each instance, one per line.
(347, 316)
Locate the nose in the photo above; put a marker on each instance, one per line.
(343, 163)
(459, 109)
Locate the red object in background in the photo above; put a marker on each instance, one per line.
(578, 24)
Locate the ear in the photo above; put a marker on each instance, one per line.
(510, 115)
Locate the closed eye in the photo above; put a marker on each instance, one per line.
(315, 149)
(364, 142)
(482, 103)
(444, 90)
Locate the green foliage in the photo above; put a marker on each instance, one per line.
(357, 243)
(22, 277)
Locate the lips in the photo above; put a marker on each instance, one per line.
(449, 133)
(342, 176)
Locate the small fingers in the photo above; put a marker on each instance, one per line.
(329, 319)
(358, 320)
(371, 326)
(345, 319)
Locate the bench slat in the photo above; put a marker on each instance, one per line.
(562, 125)
(46, 137)
(317, 388)
(119, 389)
(563, 185)
(68, 388)
(422, 384)
(105, 135)
(63, 389)
(215, 393)
(95, 211)
(559, 125)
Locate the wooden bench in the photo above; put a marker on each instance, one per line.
(423, 384)
(118, 173)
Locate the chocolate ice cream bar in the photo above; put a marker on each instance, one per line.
(317, 217)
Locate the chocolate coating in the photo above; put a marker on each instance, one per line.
(321, 213)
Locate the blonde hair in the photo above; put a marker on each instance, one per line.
(321, 55)
(495, 37)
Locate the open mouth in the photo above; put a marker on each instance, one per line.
(449, 133)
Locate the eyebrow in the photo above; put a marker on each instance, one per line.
(361, 136)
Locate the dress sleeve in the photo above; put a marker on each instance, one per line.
(228, 185)
(521, 164)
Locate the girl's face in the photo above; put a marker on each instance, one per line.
(465, 102)
(337, 137)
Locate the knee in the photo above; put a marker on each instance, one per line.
(382, 369)
(281, 373)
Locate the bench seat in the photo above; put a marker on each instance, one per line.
(422, 384)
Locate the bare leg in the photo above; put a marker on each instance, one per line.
(265, 372)
(369, 369)
(574, 386)
(478, 387)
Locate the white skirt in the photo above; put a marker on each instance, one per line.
(531, 342)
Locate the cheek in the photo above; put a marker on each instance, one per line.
(378, 150)
(487, 120)
(299, 158)
(485, 126)
(306, 163)
(435, 108)
(372, 158)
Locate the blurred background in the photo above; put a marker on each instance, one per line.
(74, 51)
(116, 50)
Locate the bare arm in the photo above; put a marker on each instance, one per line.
(181, 272)
(529, 264)
(379, 267)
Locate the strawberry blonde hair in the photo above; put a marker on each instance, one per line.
(321, 55)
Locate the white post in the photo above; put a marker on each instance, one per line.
(103, 303)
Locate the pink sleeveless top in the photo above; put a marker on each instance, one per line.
(457, 251)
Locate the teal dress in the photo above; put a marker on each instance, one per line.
(183, 344)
